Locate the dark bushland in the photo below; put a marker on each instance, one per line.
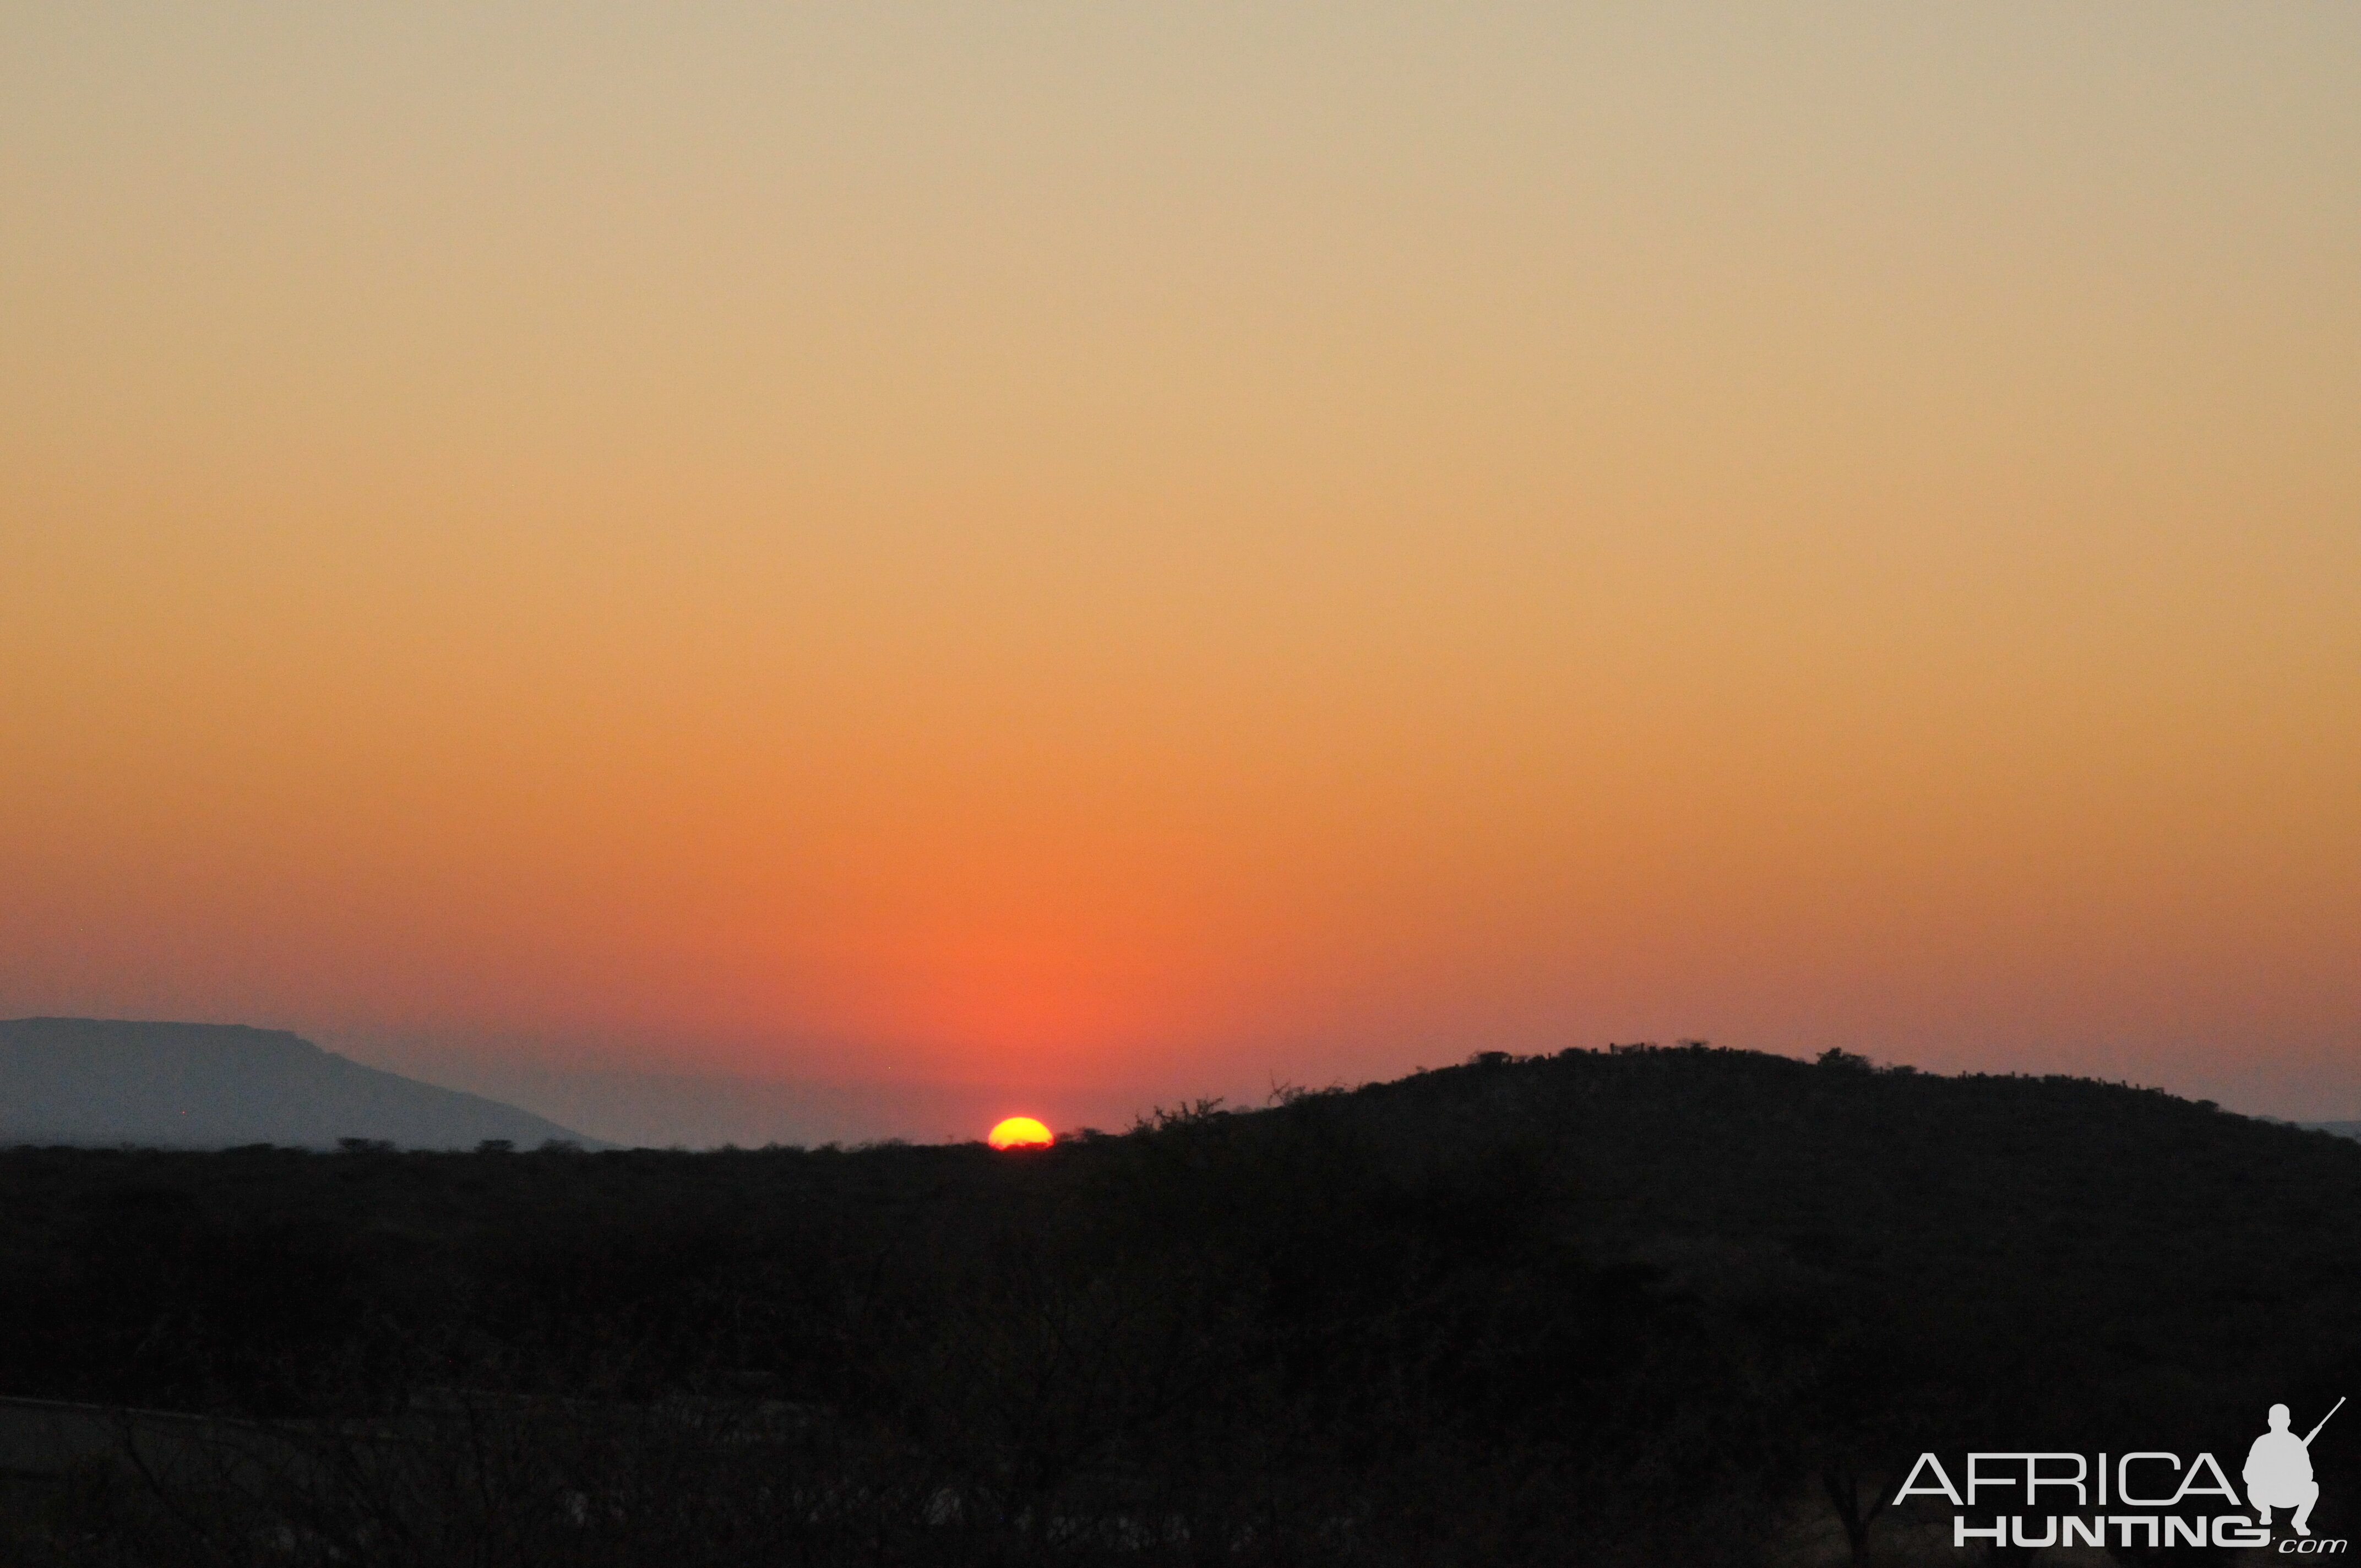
(1675, 1306)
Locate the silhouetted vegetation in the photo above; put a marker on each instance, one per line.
(1682, 1306)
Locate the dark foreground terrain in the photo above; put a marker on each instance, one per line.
(1643, 1306)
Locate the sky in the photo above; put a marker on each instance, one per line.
(749, 571)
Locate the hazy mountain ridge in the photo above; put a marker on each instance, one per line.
(106, 1081)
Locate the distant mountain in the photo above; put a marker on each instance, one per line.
(2342, 1129)
(103, 1081)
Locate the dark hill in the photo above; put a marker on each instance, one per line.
(1631, 1307)
(1880, 1173)
(198, 1086)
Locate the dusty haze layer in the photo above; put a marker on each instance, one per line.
(1121, 551)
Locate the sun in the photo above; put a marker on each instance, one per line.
(1019, 1133)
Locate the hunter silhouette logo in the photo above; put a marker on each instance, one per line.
(2278, 1471)
(2145, 1500)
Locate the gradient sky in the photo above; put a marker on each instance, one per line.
(1048, 557)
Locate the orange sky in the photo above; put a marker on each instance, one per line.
(1113, 552)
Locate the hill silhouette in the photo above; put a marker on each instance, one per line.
(1634, 1306)
(199, 1086)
